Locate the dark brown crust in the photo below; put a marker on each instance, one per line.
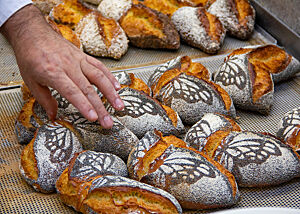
(171, 39)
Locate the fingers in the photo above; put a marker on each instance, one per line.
(103, 83)
(44, 98)
(96, 63)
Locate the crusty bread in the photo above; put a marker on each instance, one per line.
(102, 36)
(142, 113)
(237, 16)
(66, 32)
(199, 28)
(195, 180)
(95, 2)
(83, 167)
(167, 7)
(46, 6)
(70, 12)
(118, 140)
(198, 135)
(114, 9)
(289, 129)
(48, 154)
(188, 92)
(116, 194)
(129, 80)
(249, 86)
(148, 28)
(252, 157)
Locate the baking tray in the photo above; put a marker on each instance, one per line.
(16, 196)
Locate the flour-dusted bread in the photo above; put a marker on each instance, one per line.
(129, 80)
(69, 12)
(46, 6)
(195, 180)
(142, 113)
(48, 154)
(183, 86)
(95, 2)
(274, 59)
(199, 28)
(66, 32)
(237, 16)
(114, 9)
(289, 128)
(116, 194)
(255, 159)
(211, 123)
(118, 140)
(250, 85)
(102, 36)
(83, 167)
(148, 28)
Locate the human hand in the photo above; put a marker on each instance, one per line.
(46, 59)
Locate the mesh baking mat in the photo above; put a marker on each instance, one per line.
(16, 196)
(10, 75)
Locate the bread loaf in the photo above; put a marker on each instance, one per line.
(83, 167)
(95, 2)
(116, 194)
(101, 36)
(255, 159)
(289, 129)
(48, 154)
(195, 180)
(250, 87)
(114, 9)
(148, 28)
(186, 90)
(211, 123)
(70, 12)
(199, 28)
(142, 113)
(118, 140)
(237, 16)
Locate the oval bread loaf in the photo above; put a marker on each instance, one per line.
(196, 181)
(48, 154)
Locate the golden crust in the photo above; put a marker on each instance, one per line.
(138, 84)
(187, 66)
(147, 28)
(28, 161)
(171, 114)
(244, 10)
(215, 29)
(214, 141)
(167, 7)
(294, 139)
(70, 12)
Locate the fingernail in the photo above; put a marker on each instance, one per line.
(117, 85)
(107, 121)
(119, 104)
(92, 115)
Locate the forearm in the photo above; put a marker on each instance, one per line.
(24, 25)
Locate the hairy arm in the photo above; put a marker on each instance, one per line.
(46, 59)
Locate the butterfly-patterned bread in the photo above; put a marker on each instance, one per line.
(148, 28)
(83, 167)
(102, 36)
(210, 124)
(255, 159)
(247, 74)
(118, 140)
(195, 180)
(114, 9)
(66, 32)
(237, 16)
(69, 12)
(183, 86)
(48, 154)
(199, 28)
(116, 194)
(289, 129)
(45, 6)
(142, 113)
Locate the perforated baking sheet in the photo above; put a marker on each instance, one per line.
(16, 196)
(10, 75)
